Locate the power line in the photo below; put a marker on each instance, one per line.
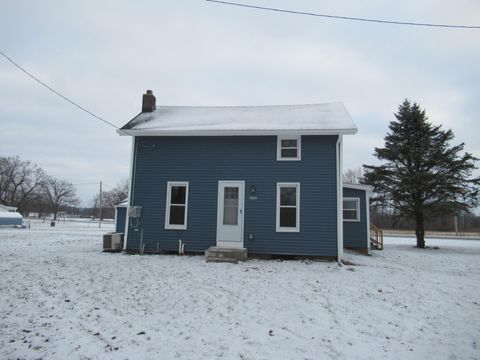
(57, 93)
(344, 17)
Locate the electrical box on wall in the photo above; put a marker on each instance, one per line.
(134, 211)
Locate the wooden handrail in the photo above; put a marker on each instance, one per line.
(376, 236)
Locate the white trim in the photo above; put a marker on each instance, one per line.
(278, 228)
(115, 221)
(339, 198)
(367, 188)
(357, 202)
(169, 226)
(130, 197)
(298, 138)
(126, 223)
(298, 132)
(241, 205)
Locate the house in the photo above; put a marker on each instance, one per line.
(263, 179)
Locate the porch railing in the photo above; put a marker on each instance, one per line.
(376, 237)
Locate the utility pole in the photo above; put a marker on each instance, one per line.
(100, 200)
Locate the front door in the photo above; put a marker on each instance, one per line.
(230, 214)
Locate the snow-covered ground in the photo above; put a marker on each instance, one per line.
(62, 298)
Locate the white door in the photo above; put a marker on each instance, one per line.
(230, 214)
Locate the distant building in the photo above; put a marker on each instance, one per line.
(10, 218)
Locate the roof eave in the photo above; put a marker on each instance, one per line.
(148, 132)
(365, 187)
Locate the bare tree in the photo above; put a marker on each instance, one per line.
(59, 193)
(117, 194)
(353, 176)
(112, 197)
(20, 181)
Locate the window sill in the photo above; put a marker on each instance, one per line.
(287, 230)
(289, 159)
(173, 227)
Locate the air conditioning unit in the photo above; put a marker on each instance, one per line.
(113, 242)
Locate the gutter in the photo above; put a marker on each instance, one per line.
(226, 132)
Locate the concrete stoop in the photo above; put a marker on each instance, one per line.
(217, 254)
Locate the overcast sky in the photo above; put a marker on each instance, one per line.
(104, 55)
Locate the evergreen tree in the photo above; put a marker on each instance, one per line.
(424, 176)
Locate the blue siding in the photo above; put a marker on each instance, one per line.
(120, 220)
(355, 234)
(203, 161)
(8, 221)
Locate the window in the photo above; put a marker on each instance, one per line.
(230, 206)
(288, 148)
(351, 209)
(288, 207)
(177, 205)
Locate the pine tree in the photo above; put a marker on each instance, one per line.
(424, 176)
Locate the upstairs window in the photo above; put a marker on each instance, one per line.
(177, 205)
(288, 148)
(351, 209)
(288, 207)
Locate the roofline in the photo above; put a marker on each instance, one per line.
(367, 188)
(147, 132)
(123, 203)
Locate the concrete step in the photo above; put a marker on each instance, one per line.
(231, 255)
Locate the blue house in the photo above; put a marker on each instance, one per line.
(267, 179)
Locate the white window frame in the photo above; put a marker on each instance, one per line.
(170, 184)
(357, 202)
(297, 223)
(279, 147)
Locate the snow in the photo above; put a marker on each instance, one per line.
(316, 117)
(61, 297)
(10, 215)
(123, 203)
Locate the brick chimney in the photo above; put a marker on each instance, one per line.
(149, 102)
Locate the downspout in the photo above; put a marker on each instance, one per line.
(116, 210)
(130, 191)
(367, 202)
(339, 199)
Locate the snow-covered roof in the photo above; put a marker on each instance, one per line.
(10, 215)
(314, 119)
(6, 208)
(123, 203)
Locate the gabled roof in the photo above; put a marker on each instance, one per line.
(314, 119)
